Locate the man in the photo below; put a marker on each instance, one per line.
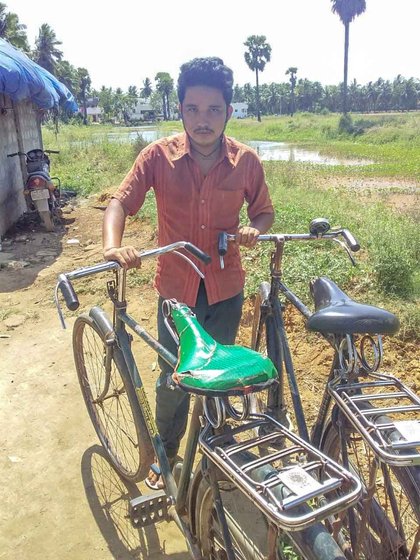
(201, 179)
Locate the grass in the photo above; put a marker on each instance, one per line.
(392, 141)
(387, 273)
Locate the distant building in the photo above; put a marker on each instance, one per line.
(240, 110)
(142, 111)
(93, 112)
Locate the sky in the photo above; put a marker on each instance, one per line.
(123, 42)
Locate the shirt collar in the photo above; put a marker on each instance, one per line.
(182, 147)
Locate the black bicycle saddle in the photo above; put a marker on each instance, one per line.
(335, 312)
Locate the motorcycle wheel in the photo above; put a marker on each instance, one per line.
(46, 220)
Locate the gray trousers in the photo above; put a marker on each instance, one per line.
(221, 321)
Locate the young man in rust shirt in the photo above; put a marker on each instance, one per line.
(201, 179)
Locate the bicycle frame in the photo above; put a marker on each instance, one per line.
(177, 496)
(341, 388)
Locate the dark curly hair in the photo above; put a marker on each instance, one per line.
(209, 72)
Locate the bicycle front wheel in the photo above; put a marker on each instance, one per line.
(111, 400)
(389, 526)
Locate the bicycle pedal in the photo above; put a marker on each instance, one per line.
(149, 509)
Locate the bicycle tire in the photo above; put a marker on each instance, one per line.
(112, 403)
(249, 531)
(383, 538)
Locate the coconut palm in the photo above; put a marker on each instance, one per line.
(11, 30)
(46, 52)
(347, 10)
(257, 55)
(164, 85)
(147, 90)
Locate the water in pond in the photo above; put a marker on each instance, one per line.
(281, 151)
(275, 151)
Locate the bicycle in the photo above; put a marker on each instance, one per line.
(368, 421)
(235, 487)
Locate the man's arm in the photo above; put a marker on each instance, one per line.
(112, 234)
(247, 235)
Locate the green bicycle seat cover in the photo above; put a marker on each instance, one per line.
(207, 367)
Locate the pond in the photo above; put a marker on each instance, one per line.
(267, 151)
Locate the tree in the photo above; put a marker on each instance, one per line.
(165, 86)
(347, 10)
(11, 30)
(46, 52)
(292, 71)
(257, 55)
(84, 87)
(147, 90)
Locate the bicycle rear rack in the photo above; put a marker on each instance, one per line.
(293, 484)
(386, 413)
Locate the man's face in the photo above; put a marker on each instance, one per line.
(204, 113)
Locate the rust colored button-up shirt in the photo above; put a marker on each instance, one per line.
(195, 208)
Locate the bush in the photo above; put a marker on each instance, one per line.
(139, 144)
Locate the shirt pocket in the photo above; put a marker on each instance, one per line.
(227, 204)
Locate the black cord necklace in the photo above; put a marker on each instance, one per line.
(206, 156)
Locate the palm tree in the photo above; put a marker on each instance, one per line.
(84, 87)
(347, 10)
(11, 30)
(46, 52)
(147, 90)
(257, 55)
(164, 85)
(292, 71)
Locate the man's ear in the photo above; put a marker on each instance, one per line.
(229, 112)
(180, 108)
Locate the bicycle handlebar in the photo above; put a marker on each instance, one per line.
(350, 240)
(70, 297)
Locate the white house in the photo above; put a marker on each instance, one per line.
(142, 111)
(240, 110)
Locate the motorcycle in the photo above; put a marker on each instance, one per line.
(41, 193)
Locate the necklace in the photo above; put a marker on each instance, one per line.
(206, 156)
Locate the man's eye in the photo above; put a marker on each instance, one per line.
(192, 109)
(215, 110)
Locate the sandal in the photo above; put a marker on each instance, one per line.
(158, 484)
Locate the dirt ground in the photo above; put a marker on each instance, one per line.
(60, 498)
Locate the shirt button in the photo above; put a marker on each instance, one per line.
(202, 201)
(203, 226)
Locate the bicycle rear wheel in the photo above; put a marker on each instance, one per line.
(392, 522)
(249, 531)
(111, 400)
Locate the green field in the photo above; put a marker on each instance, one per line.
(387, 272)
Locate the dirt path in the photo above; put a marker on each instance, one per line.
(60, 499)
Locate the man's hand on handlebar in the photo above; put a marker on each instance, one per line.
(247, 236)
(127, 256)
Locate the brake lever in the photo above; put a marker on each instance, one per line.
(198, 271)
(352, 259)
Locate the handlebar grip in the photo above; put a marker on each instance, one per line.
(351, 241)
(222, 244)
(51, 151)
(204, 257)
(12, 155)
(68, 292)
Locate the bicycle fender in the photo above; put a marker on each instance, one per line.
(103, 323)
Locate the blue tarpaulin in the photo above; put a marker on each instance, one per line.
(22, 78)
